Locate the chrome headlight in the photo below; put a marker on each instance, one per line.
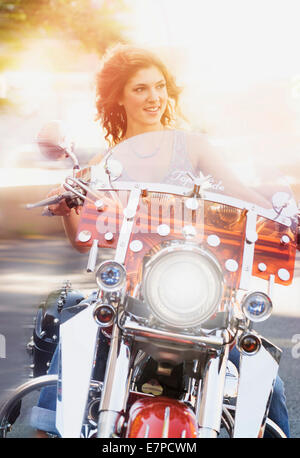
(111, 276)
(183, 285)
(257, 306)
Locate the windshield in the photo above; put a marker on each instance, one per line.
(170, 187)
(184, 159)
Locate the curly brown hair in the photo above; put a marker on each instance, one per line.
(119, 64)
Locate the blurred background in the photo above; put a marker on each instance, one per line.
(238, 61)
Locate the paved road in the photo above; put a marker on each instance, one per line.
(30, 268)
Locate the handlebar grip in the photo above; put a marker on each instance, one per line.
(73, 201)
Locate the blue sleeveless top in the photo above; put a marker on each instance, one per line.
(180, 163)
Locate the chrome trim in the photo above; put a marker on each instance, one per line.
(271, 284)
(231, 381)
(257, 377)
(108, 424)
(188, 192)
(133, 328)
(127, 225)
(92, 256)
(75, 378)
(227, 419)
(88, 189)
(147, 431)
(276, 427)
(227, 408)
(166, 425)
(210, 396)
(115, 386)
(248, 252)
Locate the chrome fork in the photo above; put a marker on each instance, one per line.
(209, 405)
(115, 386)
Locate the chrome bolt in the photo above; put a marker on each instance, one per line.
(213, 240)
(109, 236)
(84, 236)
(99, 205)
(231, 265)
(285, 240)
(136, 246)
(189, 231)
(283, 274)
(163, 230)
(192, 203)
(262, 267)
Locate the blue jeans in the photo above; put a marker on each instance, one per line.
(43, 415)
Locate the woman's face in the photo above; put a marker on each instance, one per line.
(144, 99)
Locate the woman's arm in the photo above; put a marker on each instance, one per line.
(205, 158)
(70, 216)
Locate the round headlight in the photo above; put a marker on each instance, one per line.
(257, 306)
(183, 285)
(111, 276)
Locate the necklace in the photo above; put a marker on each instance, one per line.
(145, 156)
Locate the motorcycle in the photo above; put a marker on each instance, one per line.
(194, 267)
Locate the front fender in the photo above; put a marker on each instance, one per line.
(159, 417)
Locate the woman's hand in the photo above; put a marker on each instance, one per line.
(60, 209)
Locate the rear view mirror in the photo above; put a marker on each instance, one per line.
(53, 142)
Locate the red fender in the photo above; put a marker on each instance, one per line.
(161, 417)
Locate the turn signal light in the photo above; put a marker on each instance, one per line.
(104, 315)
(249, 344)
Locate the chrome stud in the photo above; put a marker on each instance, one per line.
(84, 236)
(99, 205)
(262, 267)
(213, 240)
(189, 231)
(163, 230)
(231, 265)
(136, 246)
(109, 236)
(283, 274)
(285, 240)
(192, 203)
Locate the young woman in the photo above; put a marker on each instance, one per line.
(137, 94)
